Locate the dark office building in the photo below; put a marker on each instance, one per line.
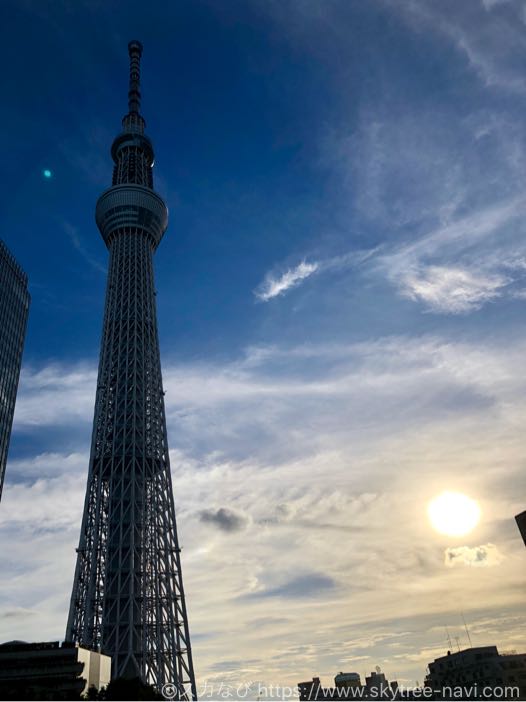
(477, 672)
(348, 686)
(50, 671)
(521, 523)
(14, 308)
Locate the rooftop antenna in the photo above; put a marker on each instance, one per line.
(134, 93)
(448, 638)
(458, 643)
(467, 630)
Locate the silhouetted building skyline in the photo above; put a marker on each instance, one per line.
(50, 671)
(14, 311)
(473, 673)
(476, 669)
(348, 686)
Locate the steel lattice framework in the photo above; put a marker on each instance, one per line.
(128, 598)
(14, 310)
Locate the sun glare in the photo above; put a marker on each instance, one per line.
(453, 514)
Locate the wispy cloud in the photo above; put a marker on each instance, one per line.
(307, 585)
(474, 556)
(451, 224)
(273, 286)
(251, 454)
(460, 266)
(491, 40)
(74, 237)
(455, 268)
(429, 191)
(452, 290)
(85, 149)
(53, 395)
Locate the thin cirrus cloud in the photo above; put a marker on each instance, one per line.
(274, 286)
(74, 237)
(251, 453)
(455, 268)
(453, 227)
(463, 265)
(489, 41)
(269, 501)
(452, 290)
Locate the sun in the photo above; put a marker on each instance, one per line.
(453, 514)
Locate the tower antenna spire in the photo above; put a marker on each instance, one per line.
(134, 92)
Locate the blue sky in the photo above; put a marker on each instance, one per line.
(341, 300)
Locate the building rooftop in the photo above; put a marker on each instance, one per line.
(11, 261)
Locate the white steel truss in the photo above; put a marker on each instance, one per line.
(128, 599)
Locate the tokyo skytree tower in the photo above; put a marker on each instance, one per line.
(128, 599)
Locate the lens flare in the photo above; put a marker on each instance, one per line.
(453, 514)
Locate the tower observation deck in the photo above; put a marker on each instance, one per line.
(128, 599)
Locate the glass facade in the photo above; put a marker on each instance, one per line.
(14, 308)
